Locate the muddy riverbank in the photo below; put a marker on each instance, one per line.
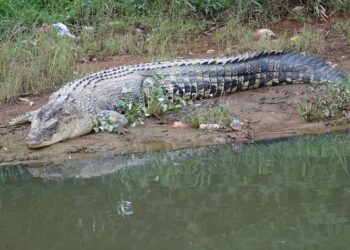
(265, 113)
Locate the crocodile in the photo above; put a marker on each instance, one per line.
(71, 111)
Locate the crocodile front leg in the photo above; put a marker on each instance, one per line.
(24, 118)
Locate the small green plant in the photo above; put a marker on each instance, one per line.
(218, 114)
(307, 110)
(134, 111)
(104, 125)
(309, 40)
(158, 102)
(343, 27)
(329, 102)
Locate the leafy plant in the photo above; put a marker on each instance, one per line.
(134, 111)
(157, 104)
(104, 124)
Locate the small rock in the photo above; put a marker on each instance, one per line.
(210, 51)
(179, 125)
(264, 34)
(327, 113)
(209, 126)
(298, 8)
(139, 32)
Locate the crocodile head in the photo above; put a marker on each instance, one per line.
(57, 121)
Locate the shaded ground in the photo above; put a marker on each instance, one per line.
(266, 113)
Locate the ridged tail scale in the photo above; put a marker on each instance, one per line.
(224, 76)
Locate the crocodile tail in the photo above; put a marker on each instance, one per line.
(279, 67)
(292, 67)
(215, 77)
(308, 68)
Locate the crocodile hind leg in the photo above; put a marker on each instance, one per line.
(23, 119)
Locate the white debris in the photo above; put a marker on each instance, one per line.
(31, 103)
(124, 208)
(62, 30)
(88, 28)
(210, 126)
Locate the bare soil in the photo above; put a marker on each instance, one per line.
(265, 113)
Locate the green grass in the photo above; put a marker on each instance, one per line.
(40, 63)
(209, 114)
(343, 27)
(329, 102)
(235, 36)
(32, 61)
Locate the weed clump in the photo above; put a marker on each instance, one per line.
(342, 27)
(329, 102)
(208, 114)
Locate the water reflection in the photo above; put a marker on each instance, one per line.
(278, 196)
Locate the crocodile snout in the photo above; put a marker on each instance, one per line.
(33, 140)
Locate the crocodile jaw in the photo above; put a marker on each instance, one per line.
(72, 130)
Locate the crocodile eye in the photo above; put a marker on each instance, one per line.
(52, 124)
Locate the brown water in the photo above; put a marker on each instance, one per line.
(281, 195)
